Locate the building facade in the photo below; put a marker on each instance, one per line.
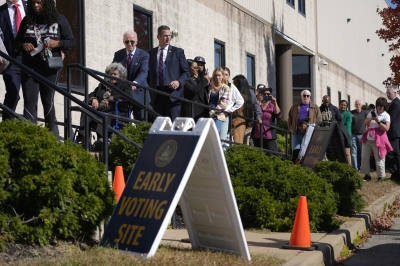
(328, 47)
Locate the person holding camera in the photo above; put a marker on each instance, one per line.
(375, 140)
(270, 111)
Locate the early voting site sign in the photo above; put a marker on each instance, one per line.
(326, 140)
(177, 164)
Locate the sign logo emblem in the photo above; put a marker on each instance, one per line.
(320, 137)
(166, 153)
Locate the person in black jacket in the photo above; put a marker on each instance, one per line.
(195, 90)
(43, 33)
(104, 99)
(393, 158)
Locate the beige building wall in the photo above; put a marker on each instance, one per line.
(348, 42)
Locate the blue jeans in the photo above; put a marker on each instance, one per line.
(218, 124)
(296, 141)
(356, 151)
(223, 133)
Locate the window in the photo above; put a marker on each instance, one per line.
(73, 10)
(219, 54)
(328, 91)
(251, 66)
(142, 24)
(339, 96)
(290, 2)
(348, 102)
(301, 71)
(302, 7)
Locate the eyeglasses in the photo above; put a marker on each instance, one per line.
(266, 93)
(306, 95)
(128, 41)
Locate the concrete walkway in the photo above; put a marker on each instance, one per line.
(328, 245)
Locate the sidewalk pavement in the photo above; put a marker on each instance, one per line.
(329, 245)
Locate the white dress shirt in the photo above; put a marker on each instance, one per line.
(11, 11)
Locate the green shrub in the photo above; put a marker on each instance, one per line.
(267, 190)
(48, 189)
(281, 143)
(123, 153)
(345, 182)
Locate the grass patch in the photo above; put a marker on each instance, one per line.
(373, 190)
(70, 254)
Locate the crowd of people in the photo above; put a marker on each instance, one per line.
(370, 133)
(35, 34)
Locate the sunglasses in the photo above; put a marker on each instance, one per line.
(306, 95)
(127, 42)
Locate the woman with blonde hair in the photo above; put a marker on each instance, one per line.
(218, 97)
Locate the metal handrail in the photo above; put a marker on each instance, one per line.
(231, 115)
(86, 107)
(68, 96)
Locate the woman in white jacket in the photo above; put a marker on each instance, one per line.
(236, 102)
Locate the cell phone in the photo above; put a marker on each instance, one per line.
(267, 98)
(373, 113)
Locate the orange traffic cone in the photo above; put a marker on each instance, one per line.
(119, 182)
(301, 236)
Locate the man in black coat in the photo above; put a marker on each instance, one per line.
(136, 61)
(11, 76)
(394, 132)
(167, 73)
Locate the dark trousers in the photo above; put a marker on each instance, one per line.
(165, 107)
(393, 158)
(31, 88)
(268, 144)
(12, 81)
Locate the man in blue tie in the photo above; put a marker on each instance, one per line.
(136, 61)
(168, 72)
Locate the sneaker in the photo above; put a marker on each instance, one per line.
(380, 179)
(367, 178)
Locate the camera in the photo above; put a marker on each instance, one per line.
(267, 98)
(373, 113)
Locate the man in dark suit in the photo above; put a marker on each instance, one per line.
(168, 72)
(394, 132)
(136, 61)
(10, 17)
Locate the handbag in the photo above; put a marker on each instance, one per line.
(55, 62)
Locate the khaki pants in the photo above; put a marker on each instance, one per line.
(366, 150)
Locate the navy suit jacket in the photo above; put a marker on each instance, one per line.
(394, 112)
(138, 73)
(5, 25)
(176, 68)
(139, 66)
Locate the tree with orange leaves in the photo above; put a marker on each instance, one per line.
(391, 33)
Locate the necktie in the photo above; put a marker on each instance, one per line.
(161, 68)
(129, 62)
(18, 17)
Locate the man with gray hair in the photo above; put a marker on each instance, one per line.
(394, 132)
(136, 61)
(357, 129)
(298, 112)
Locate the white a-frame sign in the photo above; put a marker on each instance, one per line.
(177, 164)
